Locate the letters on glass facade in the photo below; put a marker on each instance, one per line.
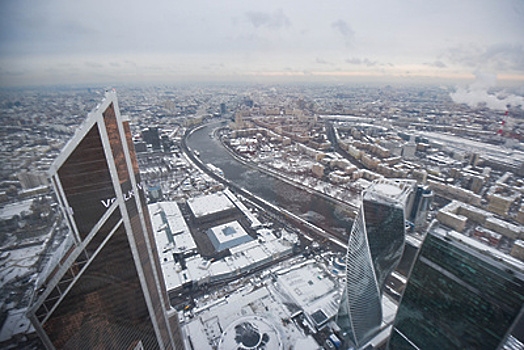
(107, 292)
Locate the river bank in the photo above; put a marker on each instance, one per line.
(330, 215)
(352, 209)
(325, 235)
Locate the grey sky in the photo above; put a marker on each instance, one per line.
(58, 41)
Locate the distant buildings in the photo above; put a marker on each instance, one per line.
(461, 294)
(374, 250)
(458, 215)
(30, 180)
(152, 137)
(105, 290)
(373, 126)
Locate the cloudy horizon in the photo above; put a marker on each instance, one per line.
(65, 42)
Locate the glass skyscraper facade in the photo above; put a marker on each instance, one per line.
(421, 202)
(106, 291)
(375, 247)
(461, 294)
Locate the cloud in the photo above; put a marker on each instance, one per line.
(93, 64)
(477, 94)
(365, 61)
(322, 61)
(275, 20)
(505, 56)
(354, 61)
(518, 7)
(497, 57)
(253, 36)
(13, 73)
(345, 30)
(437, 64)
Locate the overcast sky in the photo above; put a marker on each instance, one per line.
(68, 41)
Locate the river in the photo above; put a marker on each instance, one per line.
(315, 209)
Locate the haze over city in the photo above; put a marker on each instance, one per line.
(69, 42)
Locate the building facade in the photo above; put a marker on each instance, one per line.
(461, 294)
(375, 247)
(106, 289)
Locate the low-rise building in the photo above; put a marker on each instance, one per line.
(227, 236)
(210, 207)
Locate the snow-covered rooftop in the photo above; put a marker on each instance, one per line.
(212, 321)
(170, 229)
(254, 221)
(311, 288)
(209, 204)
(390, 190)
(251, 332)
(228, 235)
(171, 235)
(244, 257)
(15, 324)
(13, 209)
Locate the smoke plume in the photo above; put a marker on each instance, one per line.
(478, 93)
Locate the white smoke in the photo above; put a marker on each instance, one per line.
(477, 94)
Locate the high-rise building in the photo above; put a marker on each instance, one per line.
(375, 247)
(151, 136)
(106, 289)
(461, 294)
(421, 202)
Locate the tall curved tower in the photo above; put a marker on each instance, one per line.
(375, 247)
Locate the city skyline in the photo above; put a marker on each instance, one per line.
(71, 43)
(296, 157)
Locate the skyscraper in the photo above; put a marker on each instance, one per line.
(106, 290)
(421, 202)
(461, 294)
(375, 247)
(152, 137)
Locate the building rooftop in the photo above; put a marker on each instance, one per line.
(389, 190)
(170, 229)
(312, 289)
(251, 332)
(261, 306)
(228, 235)
(255, 223)
(15, 324)
(209, 204)
(13, 209)
(172, 235)
(243, 258)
